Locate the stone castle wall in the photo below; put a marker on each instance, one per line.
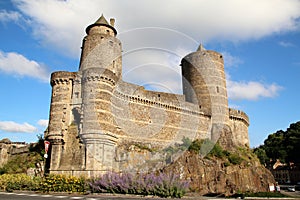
(94, 113)
(9, 149)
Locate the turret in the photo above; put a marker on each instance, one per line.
(204, 83)
(101, 68)
(101, 48)
(60, 114)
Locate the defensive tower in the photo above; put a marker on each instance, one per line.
(101, 68)
(97, 119)
(204, 83)
(101, 48)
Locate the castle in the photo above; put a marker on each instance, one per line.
(96, 117)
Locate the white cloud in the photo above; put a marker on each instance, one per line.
(18, 65)
(286, 44)
(61, 23)
(251, 90)
(43, 122)
(10, 126)
(182, 26)
(6, 16)
(230, 60)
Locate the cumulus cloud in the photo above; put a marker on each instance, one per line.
(6, 16)
(18, 65)
(10, 126)
(232, 20)
(43, 122)
(165, 25)
(251, 90)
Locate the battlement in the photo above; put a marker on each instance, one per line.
(99, 75)
(62, 77)
(109, 111)
(185, 108)
(238, 115)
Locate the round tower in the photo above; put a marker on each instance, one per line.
(60, 114)
(101, 48)
(204, 83)
(101, 68)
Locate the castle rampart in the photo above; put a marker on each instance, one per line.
(94, 113)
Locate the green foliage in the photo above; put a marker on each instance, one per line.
(282, 145)
(20, 163)
(186, 143)
(195, 146)
(218, 151)
(209, 149)
(10, 182)
(235, 159)
(53, 183)
(261, 155)
(63, 183)
(39, 147)
(263, 194)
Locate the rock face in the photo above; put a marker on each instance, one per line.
(213, 176)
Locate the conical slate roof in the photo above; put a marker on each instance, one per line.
(201, 48)
(101, 22)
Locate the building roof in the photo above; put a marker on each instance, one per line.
(201, 48)
(101, 22)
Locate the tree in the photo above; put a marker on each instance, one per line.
(282, 145)
(262, 155)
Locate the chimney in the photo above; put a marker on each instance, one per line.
(112, 22)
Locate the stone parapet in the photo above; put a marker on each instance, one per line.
(62, 77)
(239, 115)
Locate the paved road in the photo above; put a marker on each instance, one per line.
(34, 196)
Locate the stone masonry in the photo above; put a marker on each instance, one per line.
(94, 113)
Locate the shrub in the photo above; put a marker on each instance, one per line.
(217, 151)
(235, 159)
(10, 182)
(63, 183)
(264, 194)
(163, 185)
(195, 146)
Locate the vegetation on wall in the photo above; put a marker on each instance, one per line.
(210, 150)
(282, 145)
(22, 162)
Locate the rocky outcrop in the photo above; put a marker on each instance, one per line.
(215, 176)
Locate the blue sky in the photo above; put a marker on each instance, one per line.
(260, 41)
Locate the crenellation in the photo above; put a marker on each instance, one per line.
(93, 112)
(239, 115)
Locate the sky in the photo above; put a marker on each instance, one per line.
(259, 39)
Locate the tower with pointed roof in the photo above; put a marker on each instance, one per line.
(100, 123)
(101, 48)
